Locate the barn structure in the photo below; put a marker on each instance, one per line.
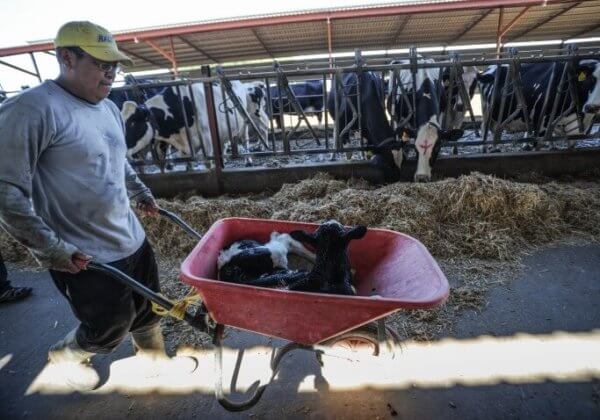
(418, 23)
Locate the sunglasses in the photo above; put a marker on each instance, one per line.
(103, 66)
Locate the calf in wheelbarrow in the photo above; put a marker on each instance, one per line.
(398, 268)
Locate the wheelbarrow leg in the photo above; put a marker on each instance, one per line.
(387, 337)
(219, 394)
(280, 352)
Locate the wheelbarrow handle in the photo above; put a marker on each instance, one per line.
(178, 221)
(149, 294)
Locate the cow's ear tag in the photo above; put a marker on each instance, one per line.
(582, 76)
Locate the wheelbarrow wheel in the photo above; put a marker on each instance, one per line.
(363, 340)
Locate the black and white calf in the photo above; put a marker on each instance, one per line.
(536, 79)
(251, 263)
(427, 131)
(248, 259)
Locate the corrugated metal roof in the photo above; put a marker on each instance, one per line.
(419, 23)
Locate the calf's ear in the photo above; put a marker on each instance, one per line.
(305, 237)
(356, 232)
(452, 134)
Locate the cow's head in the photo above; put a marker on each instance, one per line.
(257, 97)
(588, 85)
(428, 142)
(139, 131)
(458, 107)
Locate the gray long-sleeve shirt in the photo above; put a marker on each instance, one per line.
(64, 178)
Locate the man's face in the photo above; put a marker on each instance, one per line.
(92, 77)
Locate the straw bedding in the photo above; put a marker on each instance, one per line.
(480, 219)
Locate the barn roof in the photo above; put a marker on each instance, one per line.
(389, 26)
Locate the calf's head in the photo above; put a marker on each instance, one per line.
(332, 265)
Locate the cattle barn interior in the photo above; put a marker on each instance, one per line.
(341, 38)
(478, 222)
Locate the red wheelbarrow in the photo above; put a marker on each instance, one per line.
(392, 271)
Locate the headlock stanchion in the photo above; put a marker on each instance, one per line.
(503, 104)
(282, 82)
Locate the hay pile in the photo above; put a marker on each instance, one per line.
(475, 218)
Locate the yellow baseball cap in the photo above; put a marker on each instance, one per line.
(91, 38)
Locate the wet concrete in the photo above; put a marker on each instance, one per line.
(553, 303)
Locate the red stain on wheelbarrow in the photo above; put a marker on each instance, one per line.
(394, 266)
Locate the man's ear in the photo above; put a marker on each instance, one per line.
(305, 237)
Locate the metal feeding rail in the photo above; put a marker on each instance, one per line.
(505, 93)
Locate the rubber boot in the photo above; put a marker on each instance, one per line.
(73, 363)
(149, 346)
(149, 342)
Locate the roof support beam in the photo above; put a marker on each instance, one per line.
(499, 32)
(514, 21)
(139, 57)
(175, 71)
(502, 32)
(543, 22)
(398, 32)
(470, 26)
(201, 51)
(586, 30)
(162, 52)
(261, 42)
(329, 42)
(12, 66)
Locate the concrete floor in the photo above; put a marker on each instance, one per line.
(532, 352)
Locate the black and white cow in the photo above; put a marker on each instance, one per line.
(535, 79)
(455, 115)
(257, 106)
(374, 124)
(427, 131)
(162, 118)
(309, 95)
(138, 140)
(133, 93)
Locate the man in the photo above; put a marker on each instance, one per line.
(63, 151)
(9, 293)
